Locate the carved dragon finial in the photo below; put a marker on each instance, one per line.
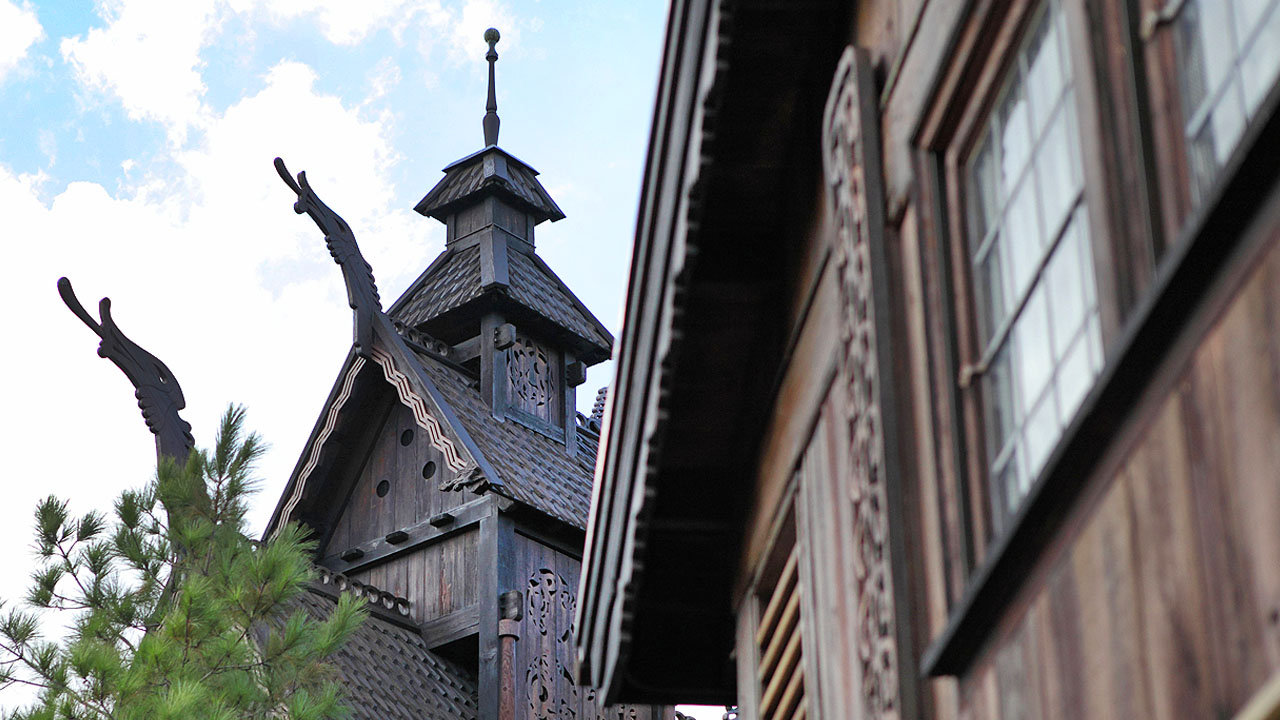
(158, 393)
(362, 291)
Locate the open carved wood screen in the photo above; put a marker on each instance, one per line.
(544, 653)
(781, 672)
(533, 380)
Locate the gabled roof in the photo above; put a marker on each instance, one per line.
(532, 467)
(389, 674)
(392, 374)
(531, 288)
(507, 458)
(491, 170)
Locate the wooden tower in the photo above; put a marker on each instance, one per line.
(449, 474)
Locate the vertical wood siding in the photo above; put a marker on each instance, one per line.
(410, 496)
(1163, 597)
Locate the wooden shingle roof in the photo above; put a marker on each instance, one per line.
(532, 468)
(532, 289)
(389, 674)
(491, 170)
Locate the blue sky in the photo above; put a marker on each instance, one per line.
(136, 140)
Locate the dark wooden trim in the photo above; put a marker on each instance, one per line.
(1210, 242)
(562, 545)
(955, 455)
(420, 534)
(884, 296)
(374, 608)
(489, 587)
(1162, 94)
(600, 649)
(535, 423)
(466, 350)
(452, 626)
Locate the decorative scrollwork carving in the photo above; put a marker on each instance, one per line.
(540, 685)
(362, 291)
(157, 390)
(844, 162)
(554, 695)
(544, 587)
(531, 379)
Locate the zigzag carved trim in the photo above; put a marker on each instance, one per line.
(415, 403)
(330, 420)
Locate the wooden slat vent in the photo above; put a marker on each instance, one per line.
(781, 672)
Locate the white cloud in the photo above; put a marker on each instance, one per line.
(459, 31)
(149, 56)
(19, 30)
(341, 21)
(148, 53)
(208, 268)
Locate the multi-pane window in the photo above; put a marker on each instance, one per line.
(1230, 58)
(1032, 265)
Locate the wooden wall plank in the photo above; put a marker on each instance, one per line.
(1170, 574)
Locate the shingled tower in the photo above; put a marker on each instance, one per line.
(449, 474)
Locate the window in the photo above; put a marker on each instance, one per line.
(1230, 57)
(1032, 264)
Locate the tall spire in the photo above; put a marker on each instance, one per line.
(491, 121)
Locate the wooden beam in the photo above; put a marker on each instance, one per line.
(466, 350)
(354, 559)
(452, 626)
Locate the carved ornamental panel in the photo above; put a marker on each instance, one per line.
(533, 380)
(850, 160)
(545, 649)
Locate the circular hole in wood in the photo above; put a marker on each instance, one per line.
(428, 470)
(406, 437)
(383, 488)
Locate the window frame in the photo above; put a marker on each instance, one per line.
(1148, 319)
(1174, 179)
(996, 40)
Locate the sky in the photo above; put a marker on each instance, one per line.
(136, 141)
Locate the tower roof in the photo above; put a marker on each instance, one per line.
(491, 170)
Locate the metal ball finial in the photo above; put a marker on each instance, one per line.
(492, 36)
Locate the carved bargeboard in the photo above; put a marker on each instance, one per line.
(846, 145)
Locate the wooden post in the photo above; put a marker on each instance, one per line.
(511, 605)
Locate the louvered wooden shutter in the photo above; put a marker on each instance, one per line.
(781, 670)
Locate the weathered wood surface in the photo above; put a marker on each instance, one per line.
(410, 497)
(438, 579)
(544, 653)
(1162, 599)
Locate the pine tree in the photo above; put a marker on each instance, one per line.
(176, 612)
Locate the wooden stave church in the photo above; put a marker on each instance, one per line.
(448, 476)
